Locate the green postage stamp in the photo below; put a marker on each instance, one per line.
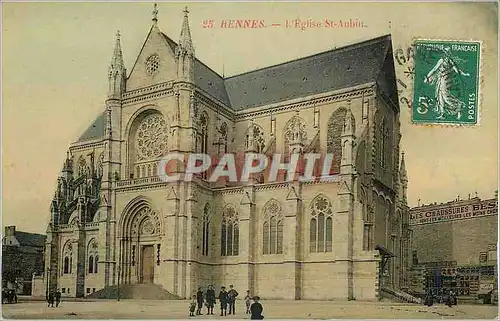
(446, 83)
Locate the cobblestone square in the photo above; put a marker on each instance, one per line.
(139, 309)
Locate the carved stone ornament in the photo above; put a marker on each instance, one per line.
(152, 137)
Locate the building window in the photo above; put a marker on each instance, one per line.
(333, 138)
(93, 290)
(202, 137)
(272, 228)
(384, 140)
(91, 265)
(321, 225)
(63, 290)
(229, 231)
(206, 229)
(95, 263)
(223, 139)
(88, 290)
(66, 265)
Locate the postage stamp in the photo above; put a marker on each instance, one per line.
(446, 82)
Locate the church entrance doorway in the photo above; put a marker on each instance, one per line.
(147, 264)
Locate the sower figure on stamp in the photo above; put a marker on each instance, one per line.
(210, 299)
(441, 76)
(223, 301)
(199, 299)
(231, 299)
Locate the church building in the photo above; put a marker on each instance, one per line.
(114, 221)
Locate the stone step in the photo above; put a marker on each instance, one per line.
(134, 291)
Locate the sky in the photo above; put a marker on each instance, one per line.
(55, 59)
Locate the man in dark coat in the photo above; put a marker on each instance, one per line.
(210, 299)
(199, 299)
(51, 299)
(231, 299)
(58, 297)
(256, 310)
(223, 301)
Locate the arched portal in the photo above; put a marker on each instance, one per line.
(140, 234)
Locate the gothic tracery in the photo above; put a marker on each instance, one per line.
(229, 231)
(321, 225)
(272, 228)
(151, 137)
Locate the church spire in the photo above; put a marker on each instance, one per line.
(117, 71)
(185, 42)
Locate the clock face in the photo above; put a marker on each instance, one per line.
(153, 64)
(405, 70)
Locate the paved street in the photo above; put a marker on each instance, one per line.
(138, 309)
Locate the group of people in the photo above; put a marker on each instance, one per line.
(226, 299)
(447, 297)
(54, 298)
(9, 296)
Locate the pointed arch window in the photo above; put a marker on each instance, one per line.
(206, 229)
(66, 265)
(96, 261)
(223, 138)
(202, 137)
(92, 257)
(67, 255)
(272, 228)
(333, 138)
(91, 265)
(384, 138)
(229, 232)
(321, 225)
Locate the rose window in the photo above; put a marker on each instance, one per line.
(153, 64)
(152, 137)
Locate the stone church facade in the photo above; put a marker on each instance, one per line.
(113, 220)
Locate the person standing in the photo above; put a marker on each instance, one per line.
(223, 301)
(210, 298)
(51, 299)
(248, 300)
(256, 310)
(192, 306)
(58, 297)
(199, 299)
(231, 298)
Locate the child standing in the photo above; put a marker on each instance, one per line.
(192, 306)
(248, 300)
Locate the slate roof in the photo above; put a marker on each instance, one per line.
(345, 67)
(96, 130)
(30, 239)
(331, 70)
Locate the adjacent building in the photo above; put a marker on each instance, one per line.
(113, 220)
(455, 246)
(22, 257)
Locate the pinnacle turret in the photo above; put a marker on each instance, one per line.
(117, 71)
(185, 41)
(402, 170)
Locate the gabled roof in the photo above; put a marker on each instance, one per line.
(30, 239)
(331, 70)
(349, 66)
(96, 130)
